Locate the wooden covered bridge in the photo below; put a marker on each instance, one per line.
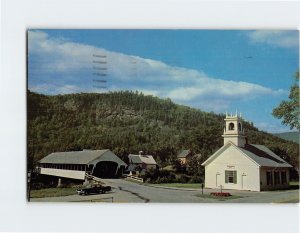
(79, 164)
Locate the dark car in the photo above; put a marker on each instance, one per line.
(94, 190)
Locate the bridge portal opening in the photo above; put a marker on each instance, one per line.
(106, 169)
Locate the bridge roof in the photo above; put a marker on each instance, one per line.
(81, 157)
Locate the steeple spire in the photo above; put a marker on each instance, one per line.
(233, 130)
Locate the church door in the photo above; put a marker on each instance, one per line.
(244, 181)
(217, 180)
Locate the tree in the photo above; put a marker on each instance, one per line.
(177, 166)
(288, 110)
(194, 167)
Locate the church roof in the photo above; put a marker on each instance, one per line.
(262, 155)
(259, 154)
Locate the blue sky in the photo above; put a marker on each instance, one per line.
(213, 70)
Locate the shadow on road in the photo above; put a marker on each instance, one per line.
(136, 194)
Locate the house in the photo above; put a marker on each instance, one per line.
(198, 156)
(183, 156)
(145, 162)
(242, 166)
(77, 164)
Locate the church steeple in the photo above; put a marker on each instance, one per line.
(234, 130)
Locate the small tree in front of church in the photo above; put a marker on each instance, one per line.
(195, 169)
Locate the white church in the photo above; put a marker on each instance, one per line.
(242, 166)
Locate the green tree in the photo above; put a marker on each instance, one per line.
(126, 122)
(288, 110)
(194, 167)
(177, 166)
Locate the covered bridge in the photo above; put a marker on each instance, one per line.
(76, 164)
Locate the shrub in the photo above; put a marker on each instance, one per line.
(219, 194)
(172, 177)
(151, 174)
(184, 178)
(196, 179)
(159, 176)
(148, 180)
(37, 186)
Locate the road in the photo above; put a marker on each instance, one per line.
(126, 191)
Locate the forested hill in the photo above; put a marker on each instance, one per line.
(127, 122)
(289, 136)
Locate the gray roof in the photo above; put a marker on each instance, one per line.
(134, 159)
(198, 156)
(81, 157)
(147, 159)
(263, 156)
(183, 154)
(259, 154)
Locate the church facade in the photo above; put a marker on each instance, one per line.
(243, 166)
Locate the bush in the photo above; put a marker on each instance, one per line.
(158, 180)
(148, 180)
(184, 178)
(151, 174)
(159, 176)
(172, 178)
(219, 194)
(196, 179)
(37, 186)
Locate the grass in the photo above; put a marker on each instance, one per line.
(171, 185)
(294, 185)
(217, 197)
(181, 185)
(52, 192)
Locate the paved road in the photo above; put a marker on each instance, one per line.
(125, 191)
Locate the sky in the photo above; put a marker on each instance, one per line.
(213, 70)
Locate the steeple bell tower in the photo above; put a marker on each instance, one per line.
(234, 130)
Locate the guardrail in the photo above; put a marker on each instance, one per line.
(135, 178)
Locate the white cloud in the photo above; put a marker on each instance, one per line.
(67, 66)
(58, 89)
(273, 127)
(280, 38)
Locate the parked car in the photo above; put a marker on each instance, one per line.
(94, 190)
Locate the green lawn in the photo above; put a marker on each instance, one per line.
(198, 185)
(52, 192)
(172, 185)
(180, 185)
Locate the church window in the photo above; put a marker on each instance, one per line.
(276, 178)
(269, 178)
(283, 177)
(231, 126)
(230, 177)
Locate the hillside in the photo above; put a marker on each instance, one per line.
(127, 122)
(289, 136)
